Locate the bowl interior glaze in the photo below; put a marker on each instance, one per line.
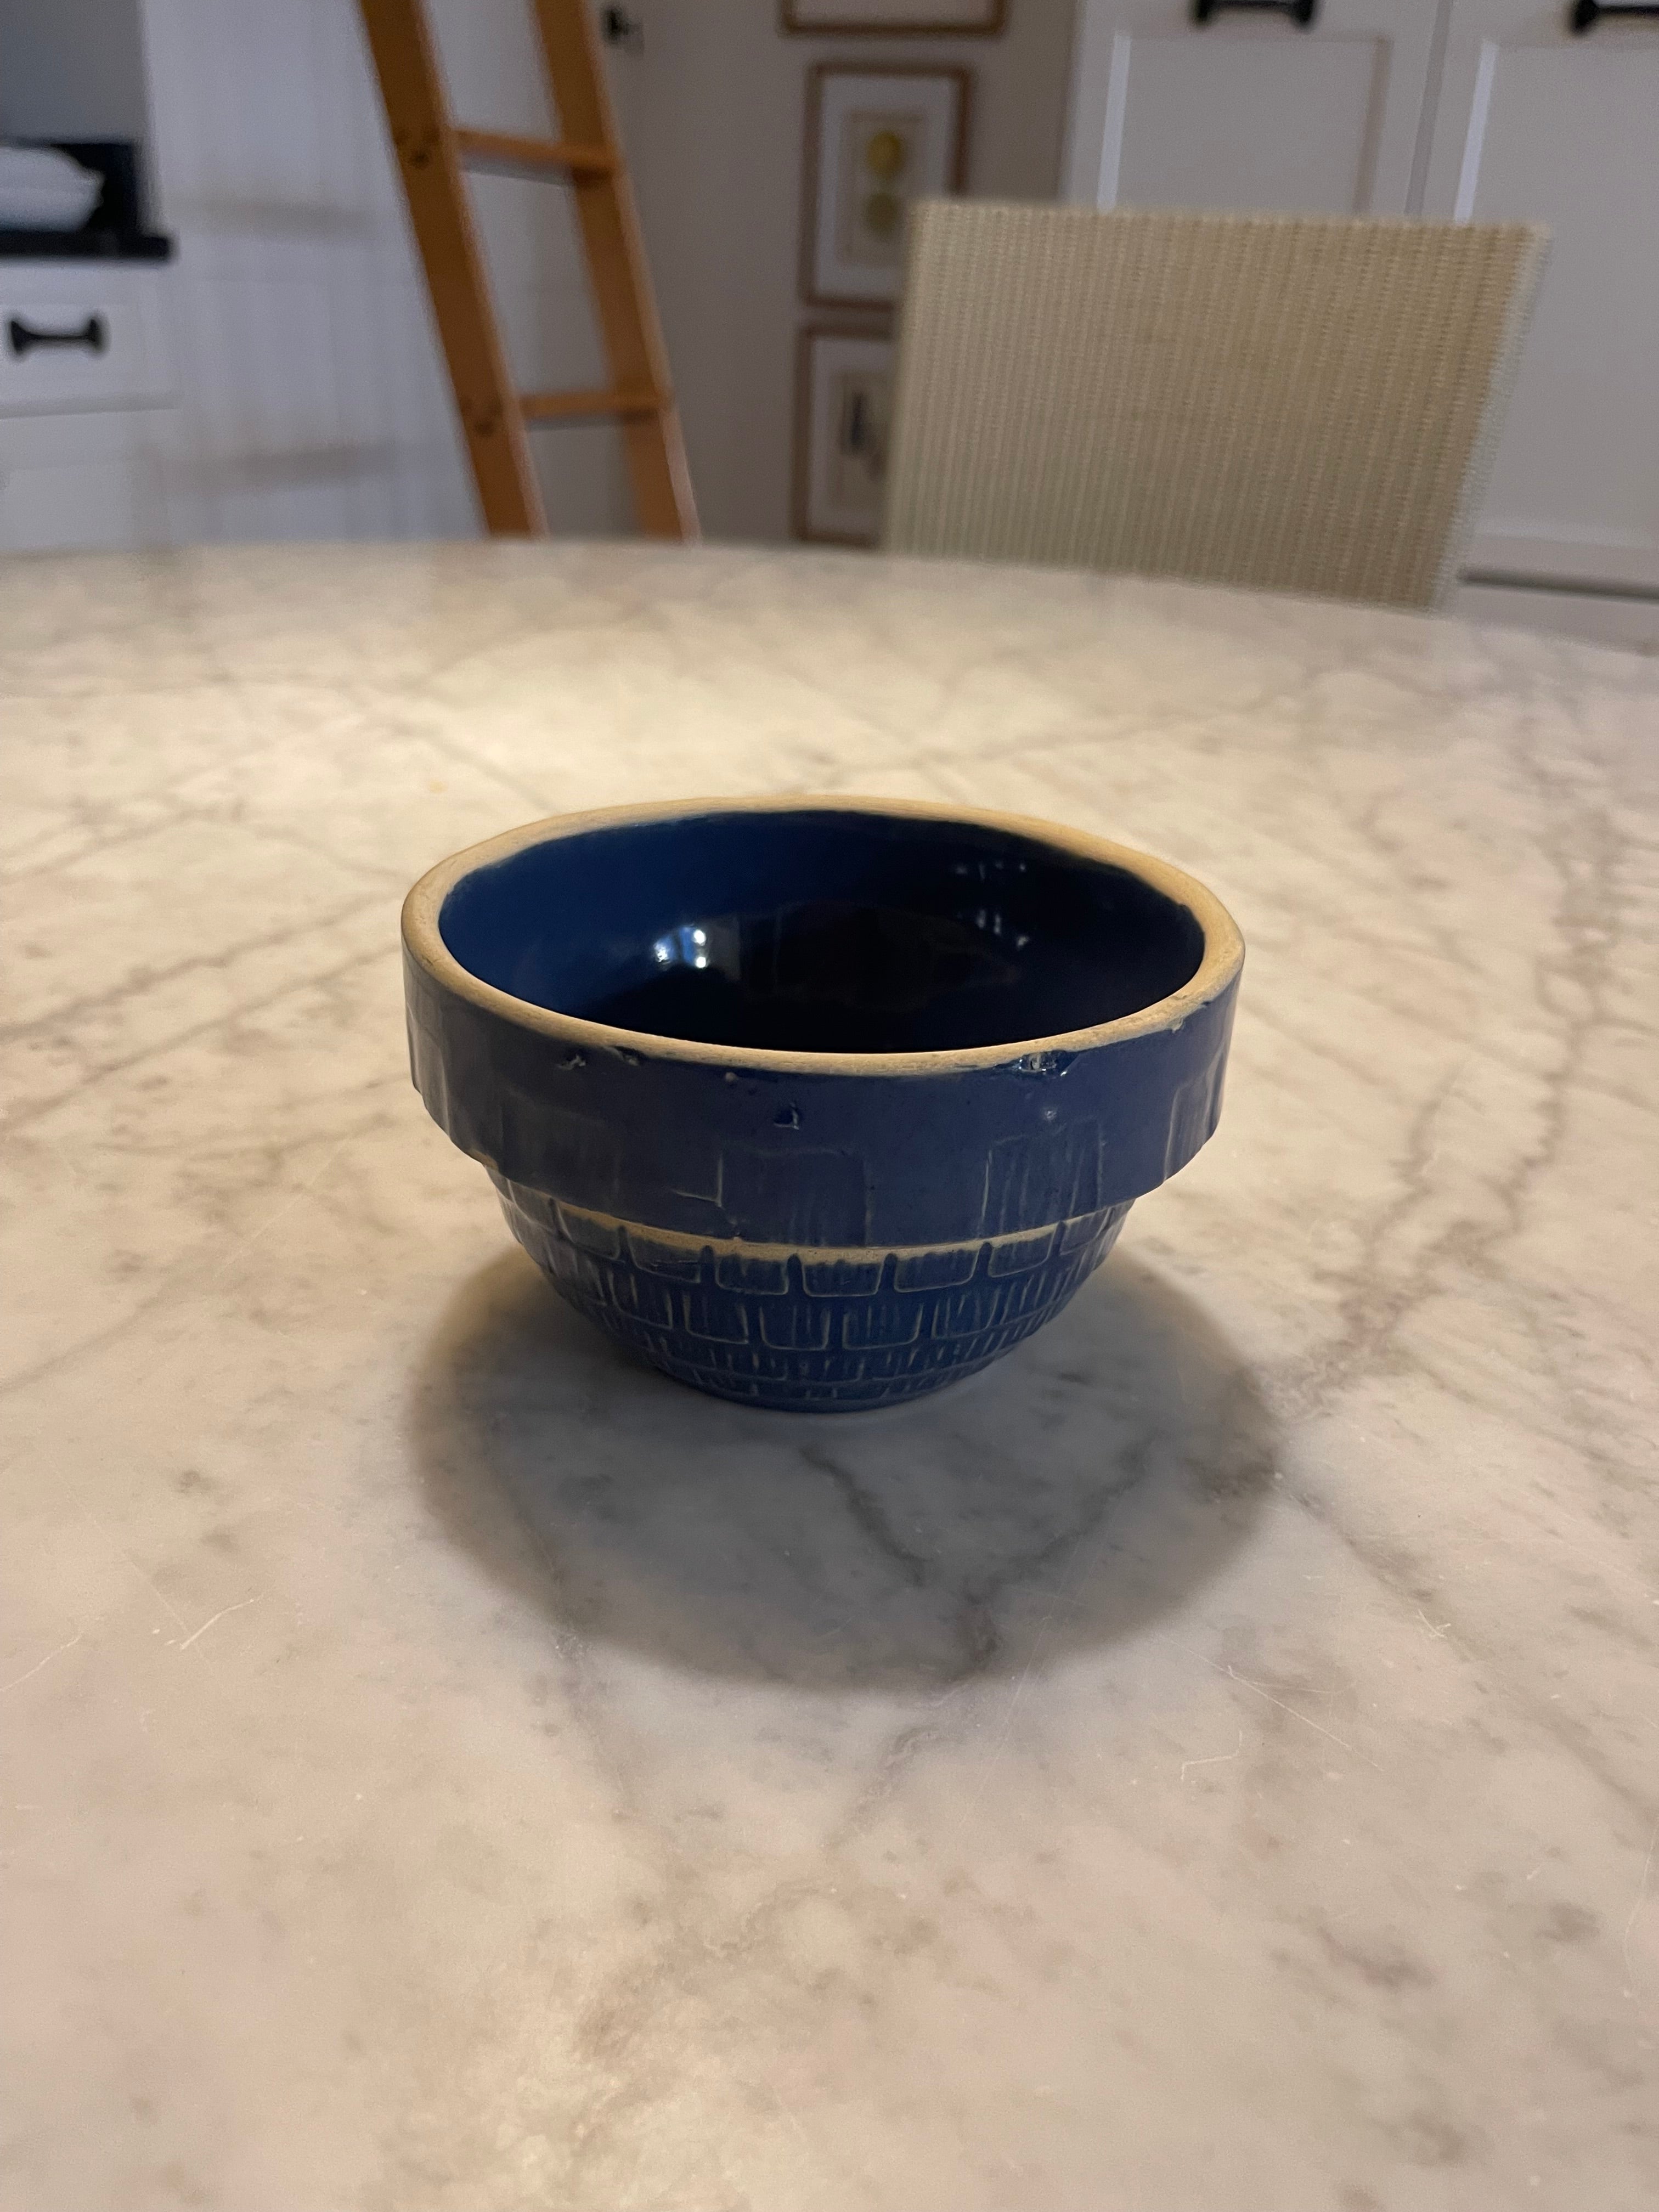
(818, 931)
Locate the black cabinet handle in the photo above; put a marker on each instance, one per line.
(21, 338)
(1301, 12)
(1584, 15)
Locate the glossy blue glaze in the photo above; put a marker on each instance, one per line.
(820, 932)
(818, 1104)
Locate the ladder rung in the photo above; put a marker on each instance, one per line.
(509, 149)
(552, 406)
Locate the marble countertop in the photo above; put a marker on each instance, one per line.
(1209, 1761)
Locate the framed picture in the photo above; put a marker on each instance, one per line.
(843, 396)
(875, 18)
(876, 139)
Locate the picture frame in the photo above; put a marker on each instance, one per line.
(876, 138)
(843, 402)
(893, 19)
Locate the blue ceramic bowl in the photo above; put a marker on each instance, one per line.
(818, 1104)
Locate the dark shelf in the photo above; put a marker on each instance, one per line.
(84, 246)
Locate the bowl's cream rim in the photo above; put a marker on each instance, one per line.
(1223, 946)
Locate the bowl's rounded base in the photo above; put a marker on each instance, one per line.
(809, 1331)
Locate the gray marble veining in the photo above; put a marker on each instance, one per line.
(1212, 1759)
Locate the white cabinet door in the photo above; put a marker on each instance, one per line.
(70, 482)
(1535, 123)
(1250, 109)
(79, 335)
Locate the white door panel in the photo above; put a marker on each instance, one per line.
(1249, 111)
(1534, 124)
(78, 480)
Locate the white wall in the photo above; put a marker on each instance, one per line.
(712, 114)
(310, 402)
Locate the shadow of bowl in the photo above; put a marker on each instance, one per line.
(1079, 1488)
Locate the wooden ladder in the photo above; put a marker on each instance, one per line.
(433, 153)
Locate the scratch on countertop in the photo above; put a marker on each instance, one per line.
(219, 1615)
(30, 1672)
(1245, 1682)
(1215, 1758)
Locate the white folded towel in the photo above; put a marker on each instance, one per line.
(41, 189)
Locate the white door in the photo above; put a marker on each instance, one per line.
(1249, 109)
(1534, 123)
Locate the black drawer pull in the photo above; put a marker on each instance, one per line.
(1584, 15)
(1301, 12)
(21, 338)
